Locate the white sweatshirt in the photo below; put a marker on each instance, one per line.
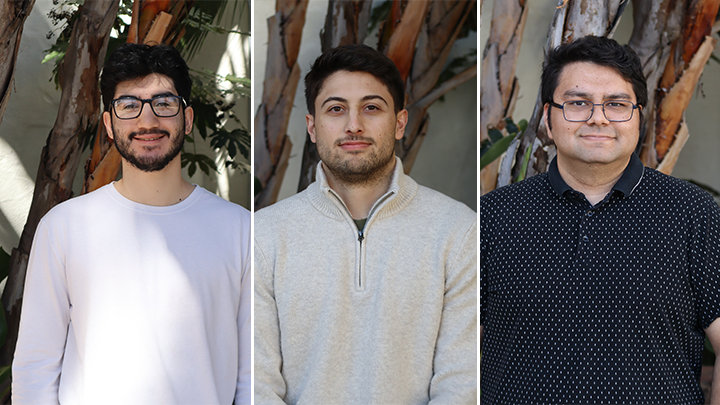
(127, 303)
(386, 317)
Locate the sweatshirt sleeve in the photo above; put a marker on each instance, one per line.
(44, 324)
(270, 386)
(454, 378)
(244, 325)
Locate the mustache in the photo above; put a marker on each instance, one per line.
(156, 131)
(354, 138)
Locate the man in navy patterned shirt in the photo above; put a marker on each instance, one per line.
(599, 278)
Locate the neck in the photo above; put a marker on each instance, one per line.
(161, 188)
(593, 180)
(360, 198)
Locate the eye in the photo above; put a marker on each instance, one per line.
(335, 109)
(617, 104)
(127, 104)
(577, 103)
(372, 107)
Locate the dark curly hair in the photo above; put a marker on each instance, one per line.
(134, 61)
(354, 58)
(600, 51)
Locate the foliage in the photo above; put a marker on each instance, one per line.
(497, 144)
(212, 96)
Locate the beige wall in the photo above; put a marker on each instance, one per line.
(447, 161)
(33, 105)
(700, 158)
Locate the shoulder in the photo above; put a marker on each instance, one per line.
(296, 204)
(444, 206)
(517, 195)
(211, 201)
(668, 190)
(94, 203)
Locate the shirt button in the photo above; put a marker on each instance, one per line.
(586, 239)
(589, 213)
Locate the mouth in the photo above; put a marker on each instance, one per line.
(149, 137)
(354, 144)
(597, 137)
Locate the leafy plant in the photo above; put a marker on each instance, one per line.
(497, 143)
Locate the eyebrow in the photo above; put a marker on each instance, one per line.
(163, 94)
(365, 98)
(584, 94)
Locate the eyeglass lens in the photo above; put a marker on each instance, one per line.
(614, 110)
(162, 106)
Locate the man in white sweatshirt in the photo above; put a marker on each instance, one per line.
(365, 282)
(139, 292)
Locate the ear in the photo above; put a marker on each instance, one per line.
(107, 121)
(189, 118)
(400, 123)
(546, 117)
(310, 122)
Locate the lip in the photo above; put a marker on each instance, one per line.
(597, 138)
(354, 145)
(149, 138)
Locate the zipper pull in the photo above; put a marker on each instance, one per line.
(360, 236)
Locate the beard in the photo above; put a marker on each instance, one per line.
(358, 169)
(150, 163)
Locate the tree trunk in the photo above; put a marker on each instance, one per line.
(499, 87)
(674, 79)
(572, 19)
(346, 23)
(77, 115)
(438, 32)
(12, 20)
(282, 74)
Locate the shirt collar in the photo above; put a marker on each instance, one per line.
(629, 180)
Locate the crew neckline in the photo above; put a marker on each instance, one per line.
(152, 209)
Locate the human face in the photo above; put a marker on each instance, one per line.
(148, 142)
(355, 127)
(596, 141)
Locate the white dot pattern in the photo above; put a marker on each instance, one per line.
(604, 304)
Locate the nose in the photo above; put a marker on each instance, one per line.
(147, 118)
(598, 116)
(354, 125)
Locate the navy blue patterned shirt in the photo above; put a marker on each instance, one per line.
(601, 304)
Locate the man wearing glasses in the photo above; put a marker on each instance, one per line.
(139, 292)
(599, 278)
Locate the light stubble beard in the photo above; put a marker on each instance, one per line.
(369, 171)
(150, 163)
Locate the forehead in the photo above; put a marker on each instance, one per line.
(352, 86)
(145, 87)
(590, 79)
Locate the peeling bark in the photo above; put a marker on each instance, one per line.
(13, 14)
(498, 85)
(282, 74)
(77, 115)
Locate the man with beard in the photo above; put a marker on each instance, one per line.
(365, 282)
(139, 292)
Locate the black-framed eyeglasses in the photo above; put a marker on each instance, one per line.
(582, 110)
(128, 107)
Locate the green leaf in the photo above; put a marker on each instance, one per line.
(523, 124)
(191, 169)
(524, 167)
(5, 372)
(495, 135)
(497, 149)
(510, 126)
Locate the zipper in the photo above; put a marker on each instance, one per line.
(361, 232)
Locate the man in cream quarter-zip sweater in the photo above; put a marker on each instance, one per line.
(366, 282)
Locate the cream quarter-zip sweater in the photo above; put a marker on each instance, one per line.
(383, 315)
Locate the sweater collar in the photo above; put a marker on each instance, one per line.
(328, 202)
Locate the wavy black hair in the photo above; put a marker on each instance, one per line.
(134, 61)
(354, 58)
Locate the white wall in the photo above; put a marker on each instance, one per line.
(447, 160)
(700, 158)
(33, 105)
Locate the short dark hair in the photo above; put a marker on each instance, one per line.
(354, 58)
(600, 51)
(134, 61)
